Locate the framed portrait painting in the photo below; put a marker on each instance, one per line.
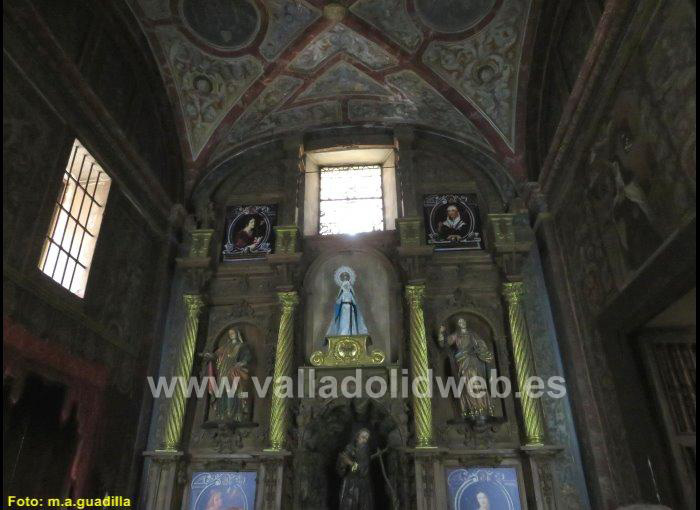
(483, 488)
(223, 491)
(249, 233)
(452, 221)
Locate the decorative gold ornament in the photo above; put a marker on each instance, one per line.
(347, 351)
(286, 239)
(283, 365)
(176, 405)
(533, 414)
(422, 407)
(201, 243)
(410, 231)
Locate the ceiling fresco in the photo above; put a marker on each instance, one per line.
(243, 70)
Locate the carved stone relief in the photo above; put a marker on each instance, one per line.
(207, 87)
(341, 39)
(343, 79)
(484, 67)
(269, 100)
(287, 20)
(391, 17)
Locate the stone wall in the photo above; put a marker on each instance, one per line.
(620, 188)
(113, 329)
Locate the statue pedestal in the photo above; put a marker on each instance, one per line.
(347, 351)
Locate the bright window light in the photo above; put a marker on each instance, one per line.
(351, 199)
(70, 241)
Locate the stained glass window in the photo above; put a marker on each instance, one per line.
(72, 235)
(351, 199)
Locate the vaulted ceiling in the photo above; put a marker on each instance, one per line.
(241, 71)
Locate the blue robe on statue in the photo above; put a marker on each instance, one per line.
(347, 318)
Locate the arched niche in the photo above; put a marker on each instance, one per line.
(377, 291)
(484, 327)
(254, 336)
(326, 427)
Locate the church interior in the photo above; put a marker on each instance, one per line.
(331, 200)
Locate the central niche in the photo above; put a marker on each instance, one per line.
(229, 24)
(351, 295)
(335, 425)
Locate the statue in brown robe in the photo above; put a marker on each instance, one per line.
(470, 356)
(354, 466)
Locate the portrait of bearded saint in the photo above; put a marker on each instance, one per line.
(354, 466)
(230, 365)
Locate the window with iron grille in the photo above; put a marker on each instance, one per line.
(351, 199)
(72, 235)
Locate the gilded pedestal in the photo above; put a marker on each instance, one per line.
(347, 351)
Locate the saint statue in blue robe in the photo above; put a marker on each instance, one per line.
(347, 317)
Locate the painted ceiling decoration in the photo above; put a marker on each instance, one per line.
(484, 68)
(391, 18)
(344, 79)
(242, 70)
(340, 39)
(207, 87)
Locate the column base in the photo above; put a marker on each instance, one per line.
(539, 464)
(272, 478)
(161, 482)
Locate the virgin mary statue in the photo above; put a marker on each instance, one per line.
(347, 318)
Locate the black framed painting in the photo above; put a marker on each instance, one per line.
(249, 231)
(452, 221)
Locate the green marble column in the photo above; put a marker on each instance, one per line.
(279, 410)
(177, 404)
(523, 357)
(422, 409)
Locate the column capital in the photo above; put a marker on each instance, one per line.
(288, 299)
(194, 303)
(513, 291)
(511, 239)
(415, 293)
(287, 237)
(200, 242)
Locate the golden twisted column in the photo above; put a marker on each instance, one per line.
(178, 402)
(283, 364)
(422, 410)
(533, 414)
